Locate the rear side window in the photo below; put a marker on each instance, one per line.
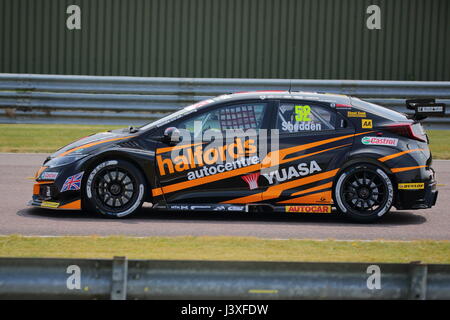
(304, 118)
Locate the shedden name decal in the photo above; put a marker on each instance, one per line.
(309, 209)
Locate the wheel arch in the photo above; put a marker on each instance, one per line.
(120, 155)
(369, 159)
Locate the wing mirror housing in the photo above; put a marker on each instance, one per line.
(172, 136)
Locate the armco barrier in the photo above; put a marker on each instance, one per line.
(151, 279)
(26, 98)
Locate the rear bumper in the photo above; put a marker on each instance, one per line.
(419, 198)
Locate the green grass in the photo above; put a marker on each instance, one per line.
(225, 248)
(43, 138)
(49, 138)
(439, 143)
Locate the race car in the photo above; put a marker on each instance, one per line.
(279, 151)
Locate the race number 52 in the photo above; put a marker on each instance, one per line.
(302, 113)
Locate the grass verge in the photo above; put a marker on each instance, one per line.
(439, 143)
(225, 248)
(49, 138)
(43, 138)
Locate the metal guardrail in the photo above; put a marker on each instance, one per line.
(27, 98)
(147, 279)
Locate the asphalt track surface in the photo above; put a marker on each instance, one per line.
(17, 218)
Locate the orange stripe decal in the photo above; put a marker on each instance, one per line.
(272, 159)
(395, 170)
(157, 192)
(395, 155)
(225, 175)
(91, 145)
(200, 181)
(321, 187)
(278, 157)
(315, 198)
(164, 150)
(75, 205)
(275, 191)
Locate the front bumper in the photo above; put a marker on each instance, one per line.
(44, 196)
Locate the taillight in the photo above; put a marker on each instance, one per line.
(409, 130)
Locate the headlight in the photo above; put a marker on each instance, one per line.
(62, 161)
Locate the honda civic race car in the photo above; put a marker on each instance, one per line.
(291, 152)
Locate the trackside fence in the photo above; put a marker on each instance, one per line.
(120, 278)
(31, 98)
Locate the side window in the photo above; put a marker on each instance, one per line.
(304, 117)
(241, 116)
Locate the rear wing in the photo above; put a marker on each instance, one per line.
(424, 108)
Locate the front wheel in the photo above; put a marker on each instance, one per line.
(114, 188)
(364, 192)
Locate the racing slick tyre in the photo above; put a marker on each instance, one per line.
(363, 192)
(114, 188)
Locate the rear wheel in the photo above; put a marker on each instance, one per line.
(364, 192)
(114, 188)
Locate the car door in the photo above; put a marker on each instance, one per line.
(211, 166)
(313, 142)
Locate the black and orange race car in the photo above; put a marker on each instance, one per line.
(291, 152)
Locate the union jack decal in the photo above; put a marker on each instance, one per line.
(73, 182)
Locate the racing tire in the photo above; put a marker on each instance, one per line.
(363, 192)
(114, 188)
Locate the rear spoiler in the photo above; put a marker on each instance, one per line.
(424, 108)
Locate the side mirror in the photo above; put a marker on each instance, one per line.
(172, 136)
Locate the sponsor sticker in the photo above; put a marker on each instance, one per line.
(212, 207)
(178, 207)
(49, 175)
(366, 123)
(379, 141)
(243, 153)
(301, 170)
(201, 207)
(252, 180)
(236, 208)
(411, 186)
(49, 204)
(356, 114)
(308, 209)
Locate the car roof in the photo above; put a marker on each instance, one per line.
(332, 98)
(275, 94)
